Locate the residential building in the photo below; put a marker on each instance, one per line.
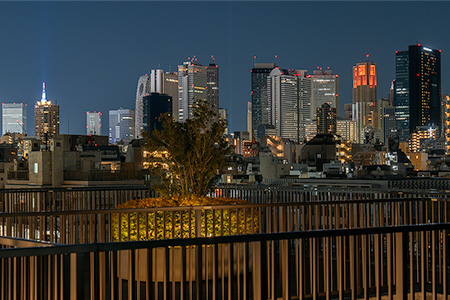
(14, 118)
(121, 125)
(93, 123)
(46, 118)
(364, 98)
(192, 86)
(326, 119)
(346, 128)
(445, 132)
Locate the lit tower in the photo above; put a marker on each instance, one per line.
(46, 118)
(143, 89)
(364, 98)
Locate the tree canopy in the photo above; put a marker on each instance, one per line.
(186, 156)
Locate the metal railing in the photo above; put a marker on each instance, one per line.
(101, 225)
(76, 198)
(402, 262)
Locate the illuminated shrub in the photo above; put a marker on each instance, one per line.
(184, 221)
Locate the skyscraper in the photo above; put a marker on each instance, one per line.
(424, 87)
(282, 91)
(121, 125)
(93, 123)
(155, 106)
(401, 95)
(387, 122)
(326, 119)
(171, 89)
(212, 86)
(304, 101)
(14, 118)
(325, 89)
(46, 118)
(143, 88)
(364, 98)
(260, 102)
(192, 85)
(417, 97)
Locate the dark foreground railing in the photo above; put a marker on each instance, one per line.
(404, 262)
(83, 226)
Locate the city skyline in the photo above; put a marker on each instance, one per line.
(98, 66)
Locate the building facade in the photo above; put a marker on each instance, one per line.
(387, 120)
(93, 123)
(155, 106)
(326, 119)
(346, 128)
(424, 86)
(121, 125)
(401, 96)
(304, 102)
(282, 91)
(143, 88)
(212, 86)
(192, 87)
(46, 118)
(364, 98)
(325, 89)
(260, 103)
(14, 118)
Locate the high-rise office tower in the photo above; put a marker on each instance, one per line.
(212, 86)
(93, 123)
(155, 106)
(325, 89)
(387, 122)
(364, 98)
(14, 118)
(417, 89)
(348, 107)
(166, 83)
(401, 95)
(326, 119)
(121, 125)
(424, 87)
(46, 118)
(260, 102)
(249, 119)
(143, 88)
(304, 102)
(282, 91)
(192, 86)
(171, 89)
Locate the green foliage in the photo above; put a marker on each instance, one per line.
(182, 223)
(187, 156)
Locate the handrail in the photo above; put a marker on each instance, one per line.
(200, 241)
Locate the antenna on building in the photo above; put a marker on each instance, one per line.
(68, 125)
(254, 60)
(159, 66)
(276, 59)
(214, 60)
(367, 56)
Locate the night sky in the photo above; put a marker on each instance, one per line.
(91, 54)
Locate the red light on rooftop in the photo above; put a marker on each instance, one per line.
(417, 75)
(337, 75)
(396, 51)
(440, 50)
(418, 45)
(146, 75)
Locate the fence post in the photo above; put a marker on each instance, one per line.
(401, 269)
